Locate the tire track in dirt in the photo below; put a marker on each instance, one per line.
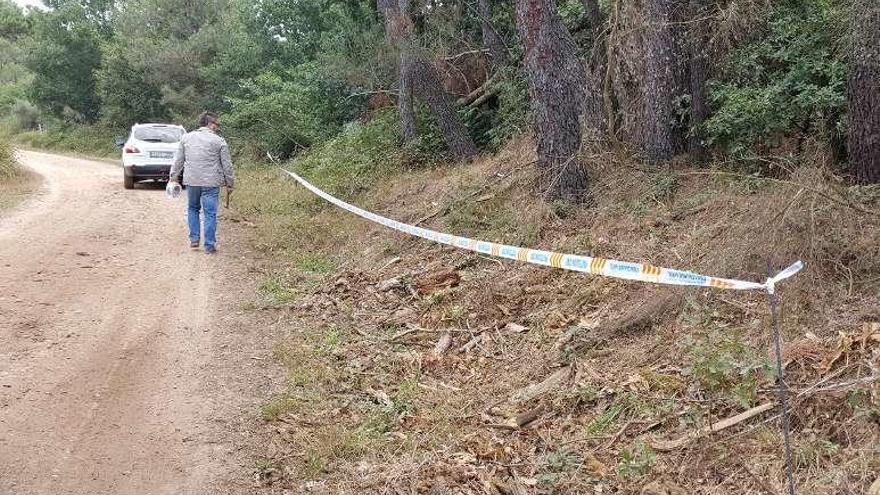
(120, 371)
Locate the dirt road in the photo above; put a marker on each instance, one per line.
(121, 365)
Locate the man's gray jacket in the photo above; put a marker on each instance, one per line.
(205, 160)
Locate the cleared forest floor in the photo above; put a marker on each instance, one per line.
(417, 368)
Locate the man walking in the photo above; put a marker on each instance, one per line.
(204, 158)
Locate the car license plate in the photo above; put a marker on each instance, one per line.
(167, 155)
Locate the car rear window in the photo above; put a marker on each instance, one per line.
(158, 134)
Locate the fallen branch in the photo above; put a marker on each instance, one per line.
(650, 314)
(530, 416)
(665, 446)
(475, 94)
(549, 384)
(482, 99)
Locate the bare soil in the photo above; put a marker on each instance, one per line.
(125, 363)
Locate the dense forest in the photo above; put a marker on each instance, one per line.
(750, 83)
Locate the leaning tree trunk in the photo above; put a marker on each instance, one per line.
(864, 93)
(491, 40)
(658, 139)
(557, 79)
(428, 86)
(420, 78)
(699, 74)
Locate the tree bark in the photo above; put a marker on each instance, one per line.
(658, 141)
(406, 102)
(428, 87)
(699, 74)
(419, 78)
(557, 80)
(864, 93)
(491, 40)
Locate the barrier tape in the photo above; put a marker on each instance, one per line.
(586, 264)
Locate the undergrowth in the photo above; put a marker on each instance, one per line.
(16, 183)
(85, 140)
(370, 306)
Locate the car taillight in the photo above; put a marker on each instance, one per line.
(132, 149)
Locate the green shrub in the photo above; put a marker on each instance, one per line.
(87, 140)
(25, 115)
(348, 163)
(291, 110)
(513, 114)
(724, 366)
(791, 80)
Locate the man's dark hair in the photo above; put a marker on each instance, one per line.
(207, 118)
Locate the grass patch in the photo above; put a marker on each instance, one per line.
(277, 408)
(600, 424)
(725, 367)
(277, 291)
(316, 264)
(636, 461)
(16, 183)
(86, 140)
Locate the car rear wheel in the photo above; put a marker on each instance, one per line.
(128, 181)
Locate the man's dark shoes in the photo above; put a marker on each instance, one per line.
(193, 244)
(210, 250)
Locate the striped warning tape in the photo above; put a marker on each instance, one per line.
(596, 266)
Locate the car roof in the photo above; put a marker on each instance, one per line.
(157, 125)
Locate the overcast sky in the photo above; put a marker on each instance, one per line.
(28, 2)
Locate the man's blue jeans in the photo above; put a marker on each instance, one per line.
(203, 198)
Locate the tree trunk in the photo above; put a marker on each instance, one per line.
(491, 40)
(406, 102)
(420, 78)
(864, 93)
(428, 87)
(658, 141)
(699, 74)
(557, 80)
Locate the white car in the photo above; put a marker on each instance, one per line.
(148, 152)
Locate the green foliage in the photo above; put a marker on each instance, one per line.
(602, 422)
(25, 115)
(86, 140)
(636, 460)
(513, 115)
(291, 110)
(348, 163)
(791, 80)
(559, 465)
(724, 366)
(127, 96)
(277, 290)
(14, 25)
(63, 55)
